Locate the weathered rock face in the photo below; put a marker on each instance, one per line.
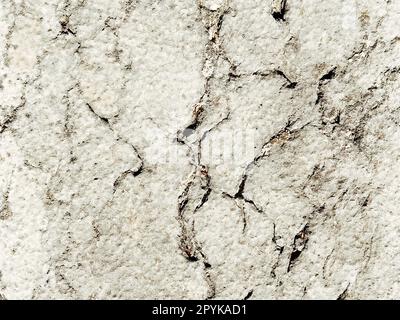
(199, 149)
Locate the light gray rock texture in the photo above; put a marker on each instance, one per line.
(199, 149)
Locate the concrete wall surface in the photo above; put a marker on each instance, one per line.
(193, 149)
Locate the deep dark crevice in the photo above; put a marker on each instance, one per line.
(239, 193)
(291, 84)
(187, 245)
(253, 204)
(293, 256)
(244, 218)
(279, 15)
(182, 204)
(366, 201)
(278, 248)
(183, 198)
(197, 117)
(103, 119)
(279, 9)
(189, 130)
(191, 257)
(299, 244)
(248, 295)
(344, 294)
(275, 239)
(320, 96)
(232, 75)
(331, 74)
(204, 199)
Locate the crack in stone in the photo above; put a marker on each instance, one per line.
(278, 9)
(212, 21)
(11, 117)
(282, 136)
(233, 75)
(67, 11)
(299, 245)
(191, 249)
(65, 27)
(344, 294)
(199, 188)
(240, 200)
(322, 82)
(133, 171)
(189, 246)
(248, 295)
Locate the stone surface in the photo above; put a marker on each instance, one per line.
(199, 149)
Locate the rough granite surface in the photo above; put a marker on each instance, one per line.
(199, 149)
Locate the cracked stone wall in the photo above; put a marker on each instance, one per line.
(199, 149)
